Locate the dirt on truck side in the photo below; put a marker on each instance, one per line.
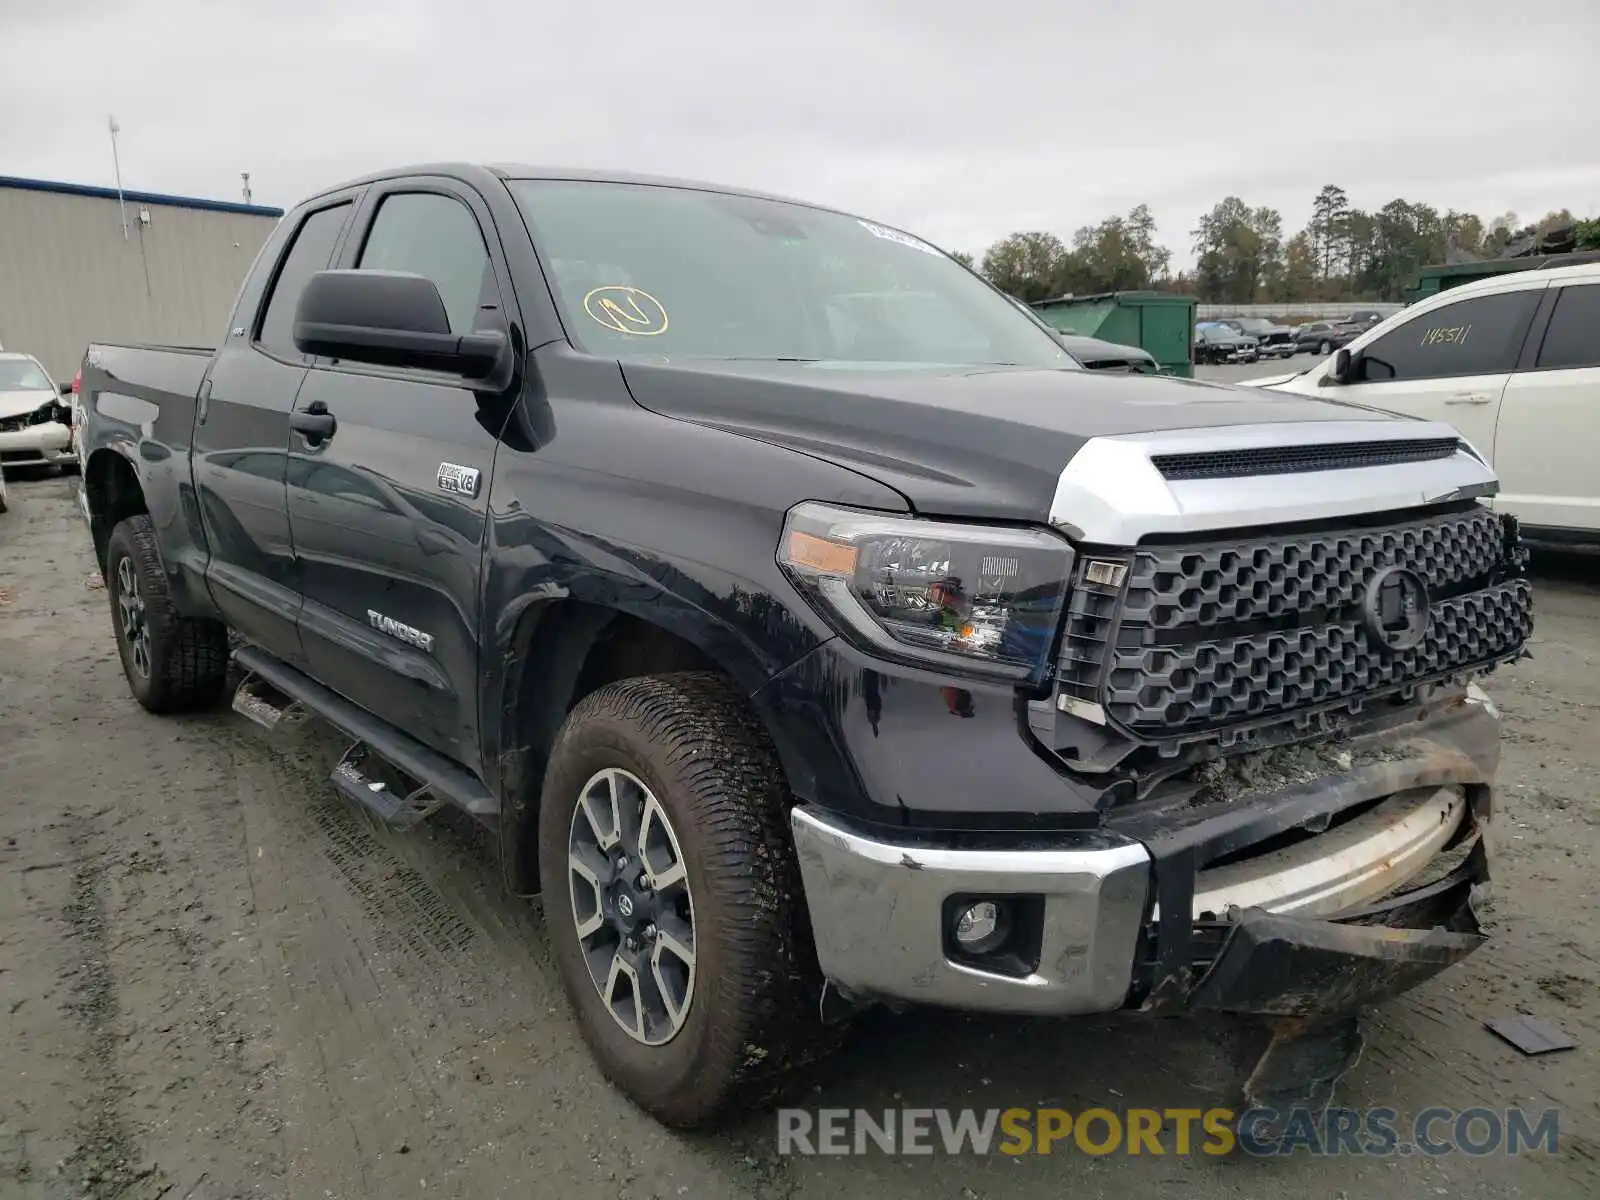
(219, 980)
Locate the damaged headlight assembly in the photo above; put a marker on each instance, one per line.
(975, 599)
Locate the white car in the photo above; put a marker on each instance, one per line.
(35, 418)
(1513, 363)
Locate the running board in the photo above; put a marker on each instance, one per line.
(414, 777)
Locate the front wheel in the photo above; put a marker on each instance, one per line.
(673, 900)
(1324, 347)
(173, 663)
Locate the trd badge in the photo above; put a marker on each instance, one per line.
(463, 481)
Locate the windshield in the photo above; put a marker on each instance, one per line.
(646, 271)
(20, 375)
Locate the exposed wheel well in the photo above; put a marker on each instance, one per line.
(564, 651)
(114, 495)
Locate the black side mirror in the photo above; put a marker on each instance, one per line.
(64, 388)
(395, 319)
(1343, 367)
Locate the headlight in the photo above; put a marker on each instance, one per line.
(967, 597)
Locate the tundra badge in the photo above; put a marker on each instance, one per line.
(415, 637)
(461, 480)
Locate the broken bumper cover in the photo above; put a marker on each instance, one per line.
(1381, 901)
(49, 442)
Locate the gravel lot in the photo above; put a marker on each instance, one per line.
(216, 980)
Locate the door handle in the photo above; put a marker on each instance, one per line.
(315, 423)
(1469, 398)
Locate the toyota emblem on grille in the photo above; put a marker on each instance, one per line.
(1395, 609)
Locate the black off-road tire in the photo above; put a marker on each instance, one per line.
(188, 656)
(753, 1019)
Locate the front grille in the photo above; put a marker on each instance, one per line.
(1207, 636)
(1294, 460)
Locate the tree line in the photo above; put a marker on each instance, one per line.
(1243, 257)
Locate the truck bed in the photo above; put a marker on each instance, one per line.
(150, 372)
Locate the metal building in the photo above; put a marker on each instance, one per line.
(78, 265)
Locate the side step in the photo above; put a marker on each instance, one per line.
(258, 701)
(387, 792)
(414, 780)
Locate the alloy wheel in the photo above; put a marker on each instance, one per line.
(134, 618)
(631, 905)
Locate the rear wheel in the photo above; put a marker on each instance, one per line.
(1324, 347)
(673, 900)
(173, 663)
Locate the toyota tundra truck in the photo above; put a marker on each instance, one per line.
(810, 629)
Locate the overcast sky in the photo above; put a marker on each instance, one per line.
(959, 119)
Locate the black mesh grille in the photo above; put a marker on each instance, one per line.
(1206, 636)
(1293, 460)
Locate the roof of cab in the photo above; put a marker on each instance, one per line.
(509, 171)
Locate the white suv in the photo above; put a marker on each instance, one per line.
(1514, 364)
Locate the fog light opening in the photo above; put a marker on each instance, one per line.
(982, 927)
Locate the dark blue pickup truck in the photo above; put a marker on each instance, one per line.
(812, 630)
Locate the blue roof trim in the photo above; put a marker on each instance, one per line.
(105, 193)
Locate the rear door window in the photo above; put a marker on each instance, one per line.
(1480, 336)
(1572, 338)
(310, 252)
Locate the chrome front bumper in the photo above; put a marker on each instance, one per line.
(881, 909)
(877, 911)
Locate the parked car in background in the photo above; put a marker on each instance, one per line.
(1513, 363)
(1217, 343)
(35, 416)
(1272, 339)
(1324, 337)
(1364, 318)
(1100, 355)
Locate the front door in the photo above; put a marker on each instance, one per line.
(388, 513)
(1449, 363)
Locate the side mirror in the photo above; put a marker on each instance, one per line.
(395, 319)
(64, 388)
(1343, 366)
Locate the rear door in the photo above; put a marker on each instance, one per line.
(1547, 440)
(388, 514)
(242, 435)
(1450, 363)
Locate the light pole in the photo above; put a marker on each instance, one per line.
(116, 167)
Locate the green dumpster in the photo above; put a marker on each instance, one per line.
(1161, 323)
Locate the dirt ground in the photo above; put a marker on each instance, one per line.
(216, 980)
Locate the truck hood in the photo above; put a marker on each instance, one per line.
(19, 404)
(956, 441)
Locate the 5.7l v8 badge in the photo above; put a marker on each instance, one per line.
(461, 480)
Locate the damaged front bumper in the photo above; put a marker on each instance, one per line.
(1310, 899)
(46, 443)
